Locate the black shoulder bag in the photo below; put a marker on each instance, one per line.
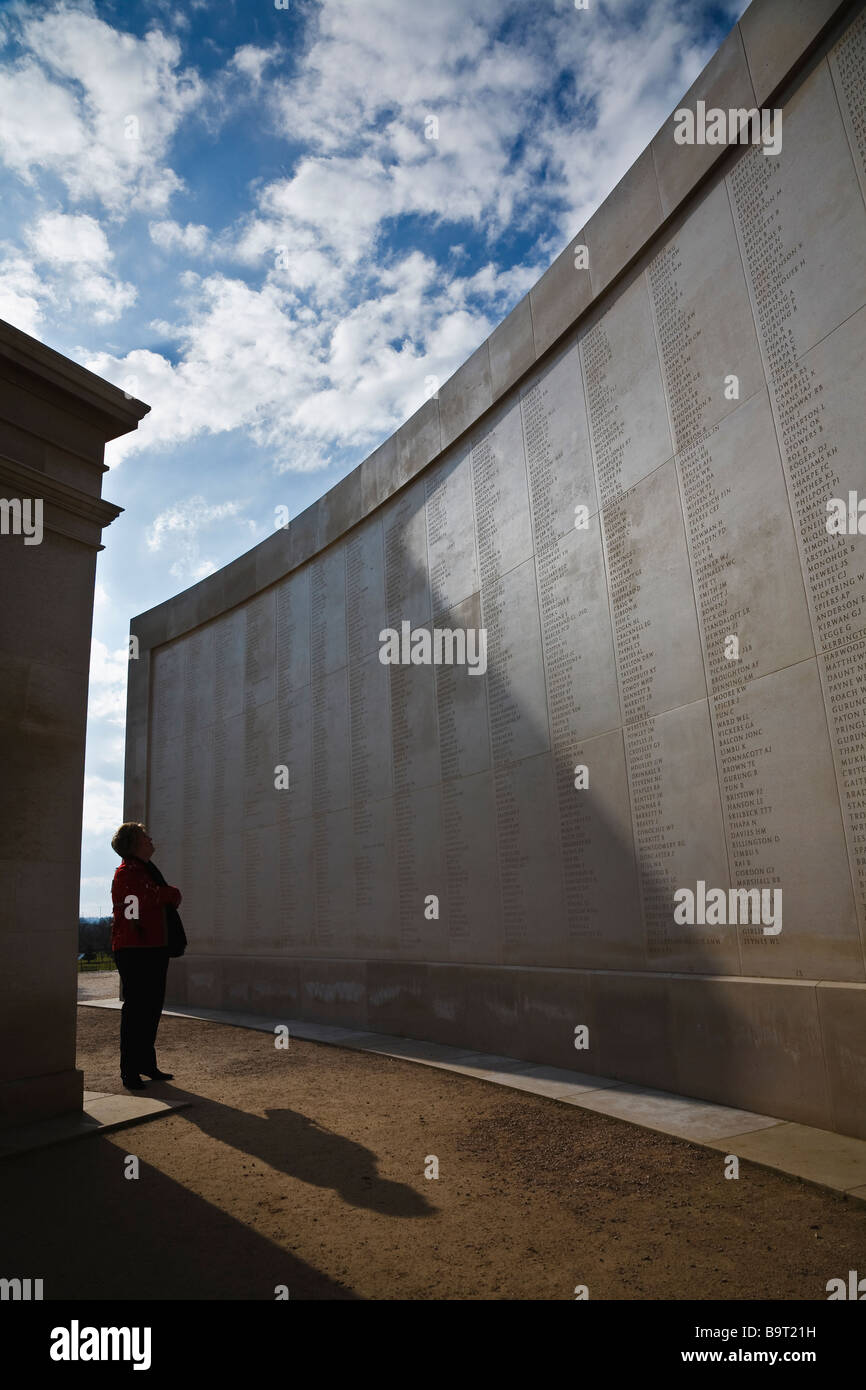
(174, 932)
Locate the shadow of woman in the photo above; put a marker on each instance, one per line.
(300, 1147)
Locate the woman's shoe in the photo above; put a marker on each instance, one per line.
(133, 1083)
(160, 1075)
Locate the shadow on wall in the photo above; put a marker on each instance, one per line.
(558, 965)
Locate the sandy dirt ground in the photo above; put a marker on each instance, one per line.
(98, 984)
(306, 1168)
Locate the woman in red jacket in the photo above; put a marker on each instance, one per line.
(139, 941)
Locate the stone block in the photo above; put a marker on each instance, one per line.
(756, 1041)
(842, 1015)
(512, 348)
(419, 440)
(466, 395)
(628, 420)
(379, 475)
(624, 223)
(303, 534)
(562, 294)
(274, 557)
(339, 508)
(724, 84)
(777, 33)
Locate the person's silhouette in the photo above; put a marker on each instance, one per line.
(139, 941)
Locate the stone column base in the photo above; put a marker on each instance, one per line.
(34, 1098)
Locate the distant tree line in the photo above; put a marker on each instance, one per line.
(94, 935)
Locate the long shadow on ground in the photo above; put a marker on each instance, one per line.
(72, 1219)
(300, 1147)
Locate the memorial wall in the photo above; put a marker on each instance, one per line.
(626, 489)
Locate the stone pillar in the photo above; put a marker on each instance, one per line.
(55, 419)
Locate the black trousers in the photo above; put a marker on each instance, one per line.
(142, 972)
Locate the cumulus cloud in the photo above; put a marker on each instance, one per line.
(64, 240)
(433, 135)
(22, 294)
(103, 809)
(177, 529)
(338, 298)
(459, 124)
(108, 675)
(250, 61)
(96, 888)
(169, 236)
(74, 258)
(304, 383)
(337, 343)
(95, 107)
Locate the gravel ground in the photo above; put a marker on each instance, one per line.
(306, 1168)
(98, 984)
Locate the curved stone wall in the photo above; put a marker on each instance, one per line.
(617, 784)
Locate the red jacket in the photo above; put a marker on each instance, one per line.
(132, 881)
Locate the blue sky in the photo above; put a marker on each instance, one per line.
(234, 212)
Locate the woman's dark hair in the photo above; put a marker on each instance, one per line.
(124, 839)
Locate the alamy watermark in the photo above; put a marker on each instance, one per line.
(847, 520)
(739, 125)
(77, 1343)
(717, 907)
(21, 1290)
(855, 1288)
(441, 646)
(22, 517)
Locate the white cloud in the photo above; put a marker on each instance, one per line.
(250, 61)
(169, 236)
(369, 160)
(504, 152)
(103, 805)
(22, 295)
(415, 54)
(108, 676)
(334, 346)
(61, 239)
(243, 358)
(177, 530)
(303, 382)
(95, 898)
(295, 383)
(95, 107)
(504, 161)
(106, 667)
(75, 257)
